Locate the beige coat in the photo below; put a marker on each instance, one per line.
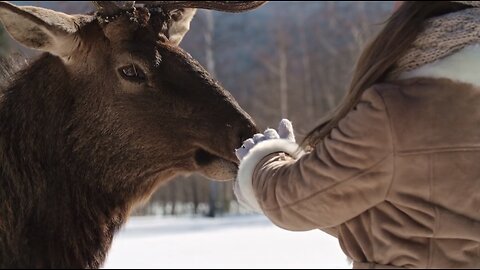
(398, 182)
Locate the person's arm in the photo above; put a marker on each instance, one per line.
(348, 173)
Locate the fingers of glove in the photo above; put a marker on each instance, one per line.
(248, 144)
(271, 134)
(285, 130)
(258, 137)
(241, 153)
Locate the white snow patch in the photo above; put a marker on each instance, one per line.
(227, 242)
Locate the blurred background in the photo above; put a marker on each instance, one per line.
(285, 59)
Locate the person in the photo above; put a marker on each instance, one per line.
(393, 172)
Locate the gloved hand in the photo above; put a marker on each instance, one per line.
(285, 131)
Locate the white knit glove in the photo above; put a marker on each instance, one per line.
(285, 131)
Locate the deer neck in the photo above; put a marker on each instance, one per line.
(54, 212)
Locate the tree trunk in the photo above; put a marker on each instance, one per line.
(282, 55)
(208, 36)
(194, 187)
(173, 198)
(212, 199)
(210, 65)
(307, 73)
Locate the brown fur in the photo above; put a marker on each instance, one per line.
(80, 145)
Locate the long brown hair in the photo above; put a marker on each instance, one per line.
(380, 56)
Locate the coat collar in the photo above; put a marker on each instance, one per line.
(462, 66)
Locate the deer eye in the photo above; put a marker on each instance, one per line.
(133, 73)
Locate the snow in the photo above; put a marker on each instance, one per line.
(226, 242)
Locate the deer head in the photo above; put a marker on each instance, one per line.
(111, 110)
(152, 93)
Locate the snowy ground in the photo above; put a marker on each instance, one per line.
(228, 242)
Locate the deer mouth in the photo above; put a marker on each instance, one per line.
(215, 167)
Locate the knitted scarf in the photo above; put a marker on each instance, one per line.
(441, 37)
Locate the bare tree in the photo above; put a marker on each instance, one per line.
(210, 65)
(307, 69)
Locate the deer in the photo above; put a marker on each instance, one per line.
(112, 109)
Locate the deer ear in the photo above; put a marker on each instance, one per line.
(180, 24)
(40, 28)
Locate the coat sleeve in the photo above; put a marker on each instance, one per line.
(348, 173)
